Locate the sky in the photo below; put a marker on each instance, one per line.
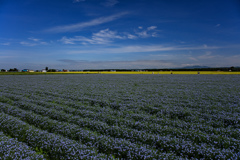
(119, 34)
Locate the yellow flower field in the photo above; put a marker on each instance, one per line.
(122, 72)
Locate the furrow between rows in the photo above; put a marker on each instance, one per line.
(53, 146)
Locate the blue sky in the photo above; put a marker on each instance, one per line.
(120, 34)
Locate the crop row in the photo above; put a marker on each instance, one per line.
(177, 116)
(126, 115)
(139, 121)
(51, 145)
(11, 148)
(165, 143)
(193, 135)
(178, 89)
(180, 111)
(115, 146)
(110, 115)
(145, 128)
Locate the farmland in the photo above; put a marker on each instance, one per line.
(87, 116)
(122, 72)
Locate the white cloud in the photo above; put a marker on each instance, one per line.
(7, 56)
(147, 33)
(43, 43)
(27, 43)
(193, 58)
(66, 40)
(33, 42)
(106, 33)
(34, 39)
(154, 34)
(73, 40)
(143, 34)
(134, 64)
(151, 28)
(139, 49)
(110, 3)
(83, 40)
(107, 36)
(130, 36)
(75, 1)
(5, 44)
(80, 26)
(218, 25)
(207, 55)
(102, 37)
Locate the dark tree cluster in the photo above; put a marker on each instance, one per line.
(13, 70)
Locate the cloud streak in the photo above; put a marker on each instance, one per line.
(102, 37)
(34, 39)
(32, 42)
(24, 43)
(134, 64)
(107, 36)
(76, 1)
(149, 32)
(110, 3)
(84, 40)
(141, 49)
(79, 26)
(5, 44)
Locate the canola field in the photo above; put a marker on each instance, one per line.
(124, 72)
(107, 116)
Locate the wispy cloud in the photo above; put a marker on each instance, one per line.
(33, 42)
(215, 60)
(24, 43)
(7, 56)
(106, 33)
(34, 39)
(76, 1)
(134, 64)
(207, 55)
(84, 40)
(110, 3)
(66, 40)
(82, 25)
(71, 61)
(102, 37)
(140, 49)
(131, 36)
(107, 36)
(149, 32)
(5, 43)
(151, 28)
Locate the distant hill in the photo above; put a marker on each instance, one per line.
(195, 67)
(187, 68)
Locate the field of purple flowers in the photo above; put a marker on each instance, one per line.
(120, 116)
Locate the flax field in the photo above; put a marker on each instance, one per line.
(96, 116)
